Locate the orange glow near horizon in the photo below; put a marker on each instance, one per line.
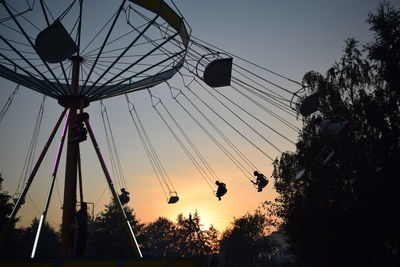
(241, 198)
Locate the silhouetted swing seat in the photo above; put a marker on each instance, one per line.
(263, 183)
(54, 44)
(218, 72)
(333, 129)
(325, 155)
(300, 174)
(309, 105)
(173, 199)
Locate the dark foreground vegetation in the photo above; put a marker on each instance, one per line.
(343, 212)
(106, 237)
(346, 212)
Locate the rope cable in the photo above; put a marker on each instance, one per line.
(284, 121)
(259, 84)
(113, 169)
(115, 162)
(230, 125)
(187, 152)
(150, 156)
(8, 103)
(163, 172)
(224, 150)
(118, 161)
(149, 149)
(242, 120)
(199, 155)
(245, 60)
(276, 102)
(278, 105)
(254, 117)
(27, 167)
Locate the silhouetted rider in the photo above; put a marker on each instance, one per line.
(124, 197)
(221, 189)
(261, 181)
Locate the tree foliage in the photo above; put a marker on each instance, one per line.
(159, 238)
(346, 211)
(5, 204)
(49, 242)
(247, 237)
(7, 250)
(107, 233)
(191, 240)
(19, 241)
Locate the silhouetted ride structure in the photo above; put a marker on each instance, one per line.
(141, 44)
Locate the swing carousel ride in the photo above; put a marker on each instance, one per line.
(59, 50)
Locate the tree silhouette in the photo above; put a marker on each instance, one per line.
(5, 204)
(246, 238)
(344, 213)
(190, 239)
(49, 242)
(107, 234)
(213, 241)
(13, 239)
(159, 238)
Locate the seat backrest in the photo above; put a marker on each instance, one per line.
(173, 199)
(218, 72)
(54, 44)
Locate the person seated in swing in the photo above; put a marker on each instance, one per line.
(261, 181)
(82, 217)
(221, 189)
(124, 197)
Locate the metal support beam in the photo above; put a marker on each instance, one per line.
(69, 206)
(128, 226)
(21, 198)
(53, 179)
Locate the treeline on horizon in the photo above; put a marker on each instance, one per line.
(107, 237)
(341, 212)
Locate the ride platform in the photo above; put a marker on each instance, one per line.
(125, 262)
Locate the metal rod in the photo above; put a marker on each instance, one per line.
(134, 63)
(21, 198)
(53, 179)
(123, 53)
(128, 226)
(69, 204)
(30, 42)
(104, 44)
(80, 176)
(108, 90)
(39, 84)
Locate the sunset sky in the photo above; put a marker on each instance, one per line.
(288, 37)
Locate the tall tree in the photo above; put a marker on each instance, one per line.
(190, 239)
(13, 239)
(247, 238)
(344, 212)
(159, 238)
(107, 234)
(5, 204)
(49, 242)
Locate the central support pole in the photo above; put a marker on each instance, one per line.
(69, 206)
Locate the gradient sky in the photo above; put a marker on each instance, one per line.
(289, 37)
